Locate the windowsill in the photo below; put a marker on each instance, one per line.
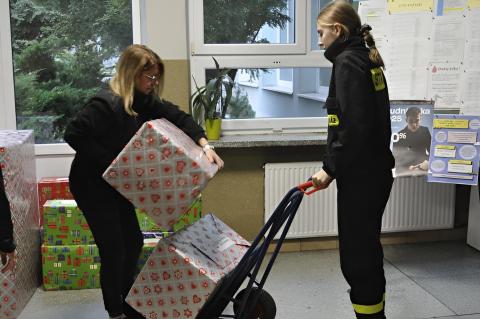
(50, 150)
(270, 140)
(227, 141)
(313, 96)
(278, 89)
(248, 84)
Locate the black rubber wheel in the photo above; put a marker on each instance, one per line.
(265, 307)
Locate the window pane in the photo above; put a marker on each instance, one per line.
(63, 52)
(241, 22)
(260, 93)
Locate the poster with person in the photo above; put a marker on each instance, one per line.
(411, 136)
(455, 149)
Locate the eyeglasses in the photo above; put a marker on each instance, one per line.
(153, 78)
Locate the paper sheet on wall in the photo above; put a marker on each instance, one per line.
(410, 143)
(417, 25)
(407, 83)
(450, 7)
(448, 38)
(409, 6)
(473, 4)
(444, 88)
(472, 52)
(374, 13)
(472, 26)
(407, 52)
(470, 108)
(454, 151)
(470, 91)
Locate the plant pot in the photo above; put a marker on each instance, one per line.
(213, 128)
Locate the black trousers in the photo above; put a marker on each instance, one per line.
(114, 225)
(361, 203)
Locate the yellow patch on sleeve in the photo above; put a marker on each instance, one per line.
(377, 79)
(333, 120)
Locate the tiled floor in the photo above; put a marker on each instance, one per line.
(434, 280)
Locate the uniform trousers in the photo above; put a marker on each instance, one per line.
(361, 203)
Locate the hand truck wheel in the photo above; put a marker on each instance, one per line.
(265, 307)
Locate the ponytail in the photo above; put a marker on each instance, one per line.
(374, 55)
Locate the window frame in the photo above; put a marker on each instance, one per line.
(7, 89)
(198, 47)
(261, 125)
(237, 56)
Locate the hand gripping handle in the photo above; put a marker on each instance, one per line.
(303, 187)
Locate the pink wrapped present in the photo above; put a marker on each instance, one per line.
(17, 159)
(184, 269)
(161, 171)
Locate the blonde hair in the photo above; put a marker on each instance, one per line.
(342, 13)
(134, 60)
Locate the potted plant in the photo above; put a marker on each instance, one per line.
(210, 102)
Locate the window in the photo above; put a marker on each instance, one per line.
(62, 52)
(281, 82)
(274, 27)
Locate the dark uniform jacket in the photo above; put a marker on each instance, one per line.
(102, 128)
(358, 109)
(6, 229)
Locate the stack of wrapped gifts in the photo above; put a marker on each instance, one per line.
(17, 160)
(52, 188)
(161, 171)
(70, 258)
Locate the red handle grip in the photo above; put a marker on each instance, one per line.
(303, 187)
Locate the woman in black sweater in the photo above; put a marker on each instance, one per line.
(358, 152)
(98, 134)
(7, 246)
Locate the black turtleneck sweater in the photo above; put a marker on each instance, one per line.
(102, 128)
(359, 129)
(6, 228)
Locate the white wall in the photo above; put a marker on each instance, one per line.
(53, 166)
(166, 28)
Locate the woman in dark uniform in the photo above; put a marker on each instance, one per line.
(358, 153)
(98, 134)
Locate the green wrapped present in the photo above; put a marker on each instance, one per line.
(145, 222)
(64, 224)
(193, 214)
(70, 267)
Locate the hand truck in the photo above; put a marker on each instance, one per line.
(253, 302)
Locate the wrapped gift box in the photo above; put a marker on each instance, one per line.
(145, 222)
(8, 296)
(64, 224)
(17, 159)
(193, 214)
(161, 171)
(149, 245)
(52, 188)
(184, 269)
(70, 267)
(78, 266)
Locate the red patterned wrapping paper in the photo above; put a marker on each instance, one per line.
(52, 188)
(17, 159)
(184, 269)
(161, 171)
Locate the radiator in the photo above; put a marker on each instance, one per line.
(414, 204)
